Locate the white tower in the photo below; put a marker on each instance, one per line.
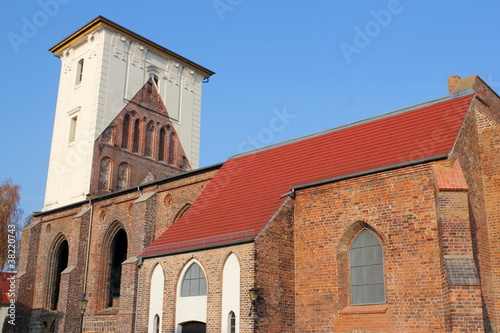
(103, 66)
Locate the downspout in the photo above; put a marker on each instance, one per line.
(88, 249)
(139, 265)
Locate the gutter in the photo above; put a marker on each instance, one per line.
(197, 248)
(368, 172)
(131, 189)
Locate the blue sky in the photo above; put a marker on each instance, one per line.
(283, 68)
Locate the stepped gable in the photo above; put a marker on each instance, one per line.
(249, 188)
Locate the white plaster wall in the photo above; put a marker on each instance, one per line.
(70, 162)
(156, 297)
(191, 308)
(115, 68)
(230, 292)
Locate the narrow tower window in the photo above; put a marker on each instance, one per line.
(72, 129)
(79, 71)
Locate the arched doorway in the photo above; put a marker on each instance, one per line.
(194, 327)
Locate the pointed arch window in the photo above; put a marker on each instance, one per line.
(194, 282)
(137, 136)
(123, 180)
(117, 255)
(171, 148)
(60, 263)
(105, 174)
(367, 270)
(150, 130)
(232, 322)
(126, 131)
(161, 144)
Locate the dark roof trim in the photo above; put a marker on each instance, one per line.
(132, 189)
(102, 21)
(368, 172)
(198, 248)
(362, 121)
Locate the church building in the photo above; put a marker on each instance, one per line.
(387, 224)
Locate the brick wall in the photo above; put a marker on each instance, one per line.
(142, 217)
(146, 108)
(274, 273)
(399, 208)
(478, 153)
(212, 262)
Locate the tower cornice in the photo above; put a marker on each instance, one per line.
(102, 22)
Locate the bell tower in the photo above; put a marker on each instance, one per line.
(118, 86)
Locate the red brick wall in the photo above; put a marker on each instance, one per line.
(479, 155)
(212, 262)
(143, 222)
(399, 207)
(145, 108)
(274, 273)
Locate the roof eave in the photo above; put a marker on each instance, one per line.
(197, 248)
(368, 172)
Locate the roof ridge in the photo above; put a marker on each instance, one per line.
(358, 122)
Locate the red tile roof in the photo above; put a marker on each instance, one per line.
(6, 283)
(247, 190)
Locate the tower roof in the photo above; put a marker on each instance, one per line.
(248, 189)
(102, 22)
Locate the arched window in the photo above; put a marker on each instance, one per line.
(161, 144)
(231, 322)
(194, 282)
(171, 148)
(231, 290)
(59, 264)
(150, 88)
(123, 176)
(105, 174)
(137, 136)
(156, 299)
(150, 130)
(156, 324)
(118, 254)
(79, 71)
(185, 163)
(367, 270)
(126, 131)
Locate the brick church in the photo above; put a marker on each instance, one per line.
(388, 224)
